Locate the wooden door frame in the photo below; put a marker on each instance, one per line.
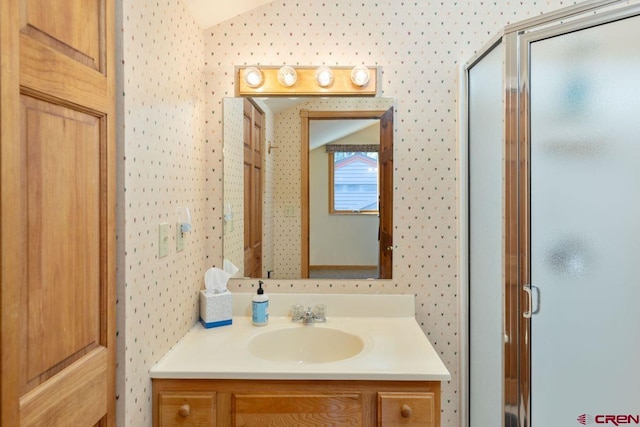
(306, 116)
(11, 218)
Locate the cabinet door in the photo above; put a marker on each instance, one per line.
(407, 409)
(341, 410)
(187, 409)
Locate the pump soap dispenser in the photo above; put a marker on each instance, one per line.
(260, 307)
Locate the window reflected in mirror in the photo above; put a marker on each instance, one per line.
(353, 182)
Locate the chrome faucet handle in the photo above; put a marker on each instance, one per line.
(297, 313)
(308, 316)
(320, 313)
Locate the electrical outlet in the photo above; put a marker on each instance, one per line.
(179, 238)
(163, 240)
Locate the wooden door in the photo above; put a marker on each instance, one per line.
(57, 168)
(253, 147)
(386, 194)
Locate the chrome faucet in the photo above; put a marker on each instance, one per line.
(308, 316)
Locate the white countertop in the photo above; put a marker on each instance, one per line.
(395, 348)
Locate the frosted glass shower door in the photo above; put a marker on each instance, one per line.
(486, 122)
(585, 225)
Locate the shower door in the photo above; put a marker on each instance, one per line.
(485, 142)
(582, 83)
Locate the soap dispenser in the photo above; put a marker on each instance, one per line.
(260, 307)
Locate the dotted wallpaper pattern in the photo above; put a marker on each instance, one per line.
(234, 182)
(173, 78)
(164, 164)
(268, 194)
(418, 46)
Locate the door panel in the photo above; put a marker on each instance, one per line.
(81, 389)
(585, 227)
(57, 214)
(79, 42)
(247, 127)
(386, 194)
(253, 146)
(63, 175)
(256, 207)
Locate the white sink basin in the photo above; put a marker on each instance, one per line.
(306, 344)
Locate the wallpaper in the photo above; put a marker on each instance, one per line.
(165, 162)
(268, 196)
(418, 47)
(233, 187)
(173, 78)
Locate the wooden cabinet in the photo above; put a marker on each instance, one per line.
(407, 409)
(296, 409)
(238, 403)
(186, 409)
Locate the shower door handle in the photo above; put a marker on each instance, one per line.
(530, 290)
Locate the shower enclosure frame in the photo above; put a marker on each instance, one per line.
(514, 42)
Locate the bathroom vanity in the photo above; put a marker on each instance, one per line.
(370, 364)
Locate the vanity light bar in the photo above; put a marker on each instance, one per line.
(308, 81)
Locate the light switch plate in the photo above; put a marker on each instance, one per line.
(179, 238)
(163, 240)
(289, 210)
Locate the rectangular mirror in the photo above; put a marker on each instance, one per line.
(314, 212)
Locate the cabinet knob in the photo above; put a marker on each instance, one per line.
(405, 411)
(184, 410)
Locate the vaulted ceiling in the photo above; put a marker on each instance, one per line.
(212, 12)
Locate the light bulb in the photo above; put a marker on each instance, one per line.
(253, 77)
(287, 76)
(360, 75)
(324, 76)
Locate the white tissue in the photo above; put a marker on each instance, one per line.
(229, 267)
(215, 279)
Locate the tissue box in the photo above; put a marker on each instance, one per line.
(215, 309)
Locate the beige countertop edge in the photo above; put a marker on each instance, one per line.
(398, 350)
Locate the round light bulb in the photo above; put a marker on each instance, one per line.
(324, 76)
(287, 76)
(360, 75)
(253, 77)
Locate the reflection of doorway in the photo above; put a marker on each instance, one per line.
(253, 136)
(381, 234)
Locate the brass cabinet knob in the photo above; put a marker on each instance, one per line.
(184, 410)
(389, 248)
(405, 411)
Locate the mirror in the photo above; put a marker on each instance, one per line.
(293, 213)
